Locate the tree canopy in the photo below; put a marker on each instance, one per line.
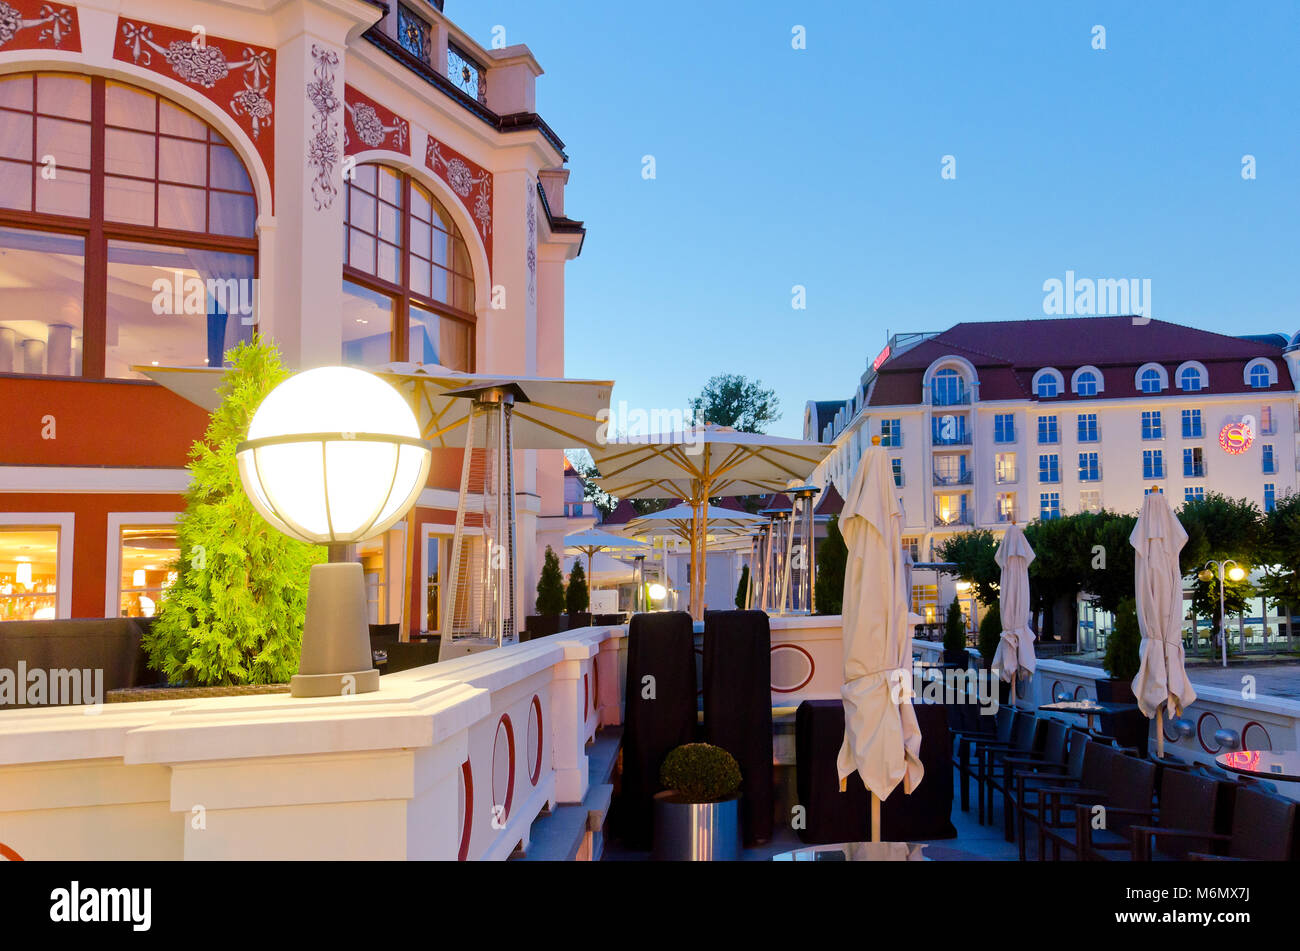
(732, 399)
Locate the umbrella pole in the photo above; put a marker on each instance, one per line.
(1011, 694)
(875, 818)
(1160, 735)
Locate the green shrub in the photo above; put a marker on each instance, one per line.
(700, 772)
(743, 588)
(990, 633)
(235, 612)
(550, 586)
(954, 630)
(576, 597)
(1123, 646)
(832, 556)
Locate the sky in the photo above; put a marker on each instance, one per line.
(823, 168)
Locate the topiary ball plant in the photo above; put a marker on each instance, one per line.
(700, 772)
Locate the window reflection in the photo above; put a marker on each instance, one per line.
(29, 560)
(41, 292)
(148, 568)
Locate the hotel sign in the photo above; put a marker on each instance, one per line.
(880, 358)
(1236, 438)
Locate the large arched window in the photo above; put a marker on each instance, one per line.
(126, 231)
(408, 288)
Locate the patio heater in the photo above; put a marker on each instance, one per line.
(800, 572)
(638, 604)
(481, 602)
(757, 554)
(779, 542)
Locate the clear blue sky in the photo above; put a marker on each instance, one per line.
(821, 167)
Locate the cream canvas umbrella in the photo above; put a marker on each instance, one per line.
(1157, 538)
(701, 463)
(882, 740)
(1015, 654)
(593, 540)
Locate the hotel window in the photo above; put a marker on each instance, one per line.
(1087, 427)
(29, 572)
(1047, 386)
(1086, 383)
(408, 288)
(1004, 427)
(891, 433)
(1270, 462)
(1270, 497)
(1089, 467)
(1152, 488)
(1047, 432)
(1049, 468)
(1267, 425)
(1153, 464)
(1152, 427)
(1090, 500)
(897, 465)
(947, 388)
(141, 250)
(1261, 377)
(1191, 380)
(913, 545)
(1193, 463)
(1006, 506)
(1192, 424)
(1005, 467)
(147, 556)
(1049, 506)
(1150, 381)
(1194, 493)
(430, 606)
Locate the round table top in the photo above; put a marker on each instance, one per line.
(876, 852)
(1262, 763)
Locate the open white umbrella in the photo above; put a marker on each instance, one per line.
(1157, 539)
(593, 540)
(882, 740)
(1015, 653)
(701, 463)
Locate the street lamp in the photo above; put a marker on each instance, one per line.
(1235, 573)
(333, 456)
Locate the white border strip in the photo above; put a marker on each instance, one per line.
(66, 523)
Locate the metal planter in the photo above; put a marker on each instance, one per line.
(696, 831)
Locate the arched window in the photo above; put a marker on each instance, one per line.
(1260, 373)
(1086, 384)
(1190, 379)
(139, 249)
(947, 388)
(1048, 383)
(1150, 381)
(408, 288)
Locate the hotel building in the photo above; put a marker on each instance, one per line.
(363, 183)
(988, 423)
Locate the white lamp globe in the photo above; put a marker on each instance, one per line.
(333, 456)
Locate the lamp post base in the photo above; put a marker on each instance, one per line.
(336, 658)
(333, 685)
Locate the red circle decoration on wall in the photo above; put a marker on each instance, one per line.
(1200, 732)
(503, 768)
(535, 740)
(9, 853)
(1081, 692)
(1235, 438)
(798, 679)
(595, 685)
(586, 699)
(466, 809)
(1259, 742)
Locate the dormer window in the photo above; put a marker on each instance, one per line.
(1048, 383)
(1087, 381)
(1261, 373)
(1192, 377)
(1151, 378)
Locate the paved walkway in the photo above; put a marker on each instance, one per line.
(1271, 680)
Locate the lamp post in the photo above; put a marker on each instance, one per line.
(333, 456)
(1235, 573)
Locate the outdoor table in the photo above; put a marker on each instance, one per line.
(1262, 763)
(1088, 708)
(877, 852)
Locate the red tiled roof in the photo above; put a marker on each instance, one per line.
(622, 514)
(1007, 353)
(832, 503)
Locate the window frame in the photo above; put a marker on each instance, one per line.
(66, 523)
(113, 556)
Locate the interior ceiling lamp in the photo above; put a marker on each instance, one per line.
(333, 456)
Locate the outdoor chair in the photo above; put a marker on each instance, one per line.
(965, 723)
(1027, 783)
(1026, 743)
(1188, 804)
(978, 740)
(1051, 754)
(1263, 829)
(1122, 784)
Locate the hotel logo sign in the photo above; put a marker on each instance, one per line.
(1236, 438)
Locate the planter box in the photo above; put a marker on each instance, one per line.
(577, 621)
(544, 625)
(696, 831)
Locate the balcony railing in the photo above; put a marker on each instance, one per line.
(960, 438)
(954, 478)
(1007, 514)
(950, 399)
(1196, 471)
(1270, 467)
(1005, 476)
(954, 518)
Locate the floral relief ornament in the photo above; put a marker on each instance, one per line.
(370, 128)
(530, 196)
(205, 64)
(463, 181)
(323, 150)
(56, 22)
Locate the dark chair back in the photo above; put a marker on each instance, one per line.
(1079, 743)
(1263, 826)
(1131, 782)
(1005, 720)
(1024, 729)
(1055, 741)
(1188, 802)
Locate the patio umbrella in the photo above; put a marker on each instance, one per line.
(882, 740)
(1015, 654)
(701, 463)
(1157, 539)
(593, 540)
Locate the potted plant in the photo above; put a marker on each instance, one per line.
(697, 816)
(832, 557)
(577, 599)
(954, 636)
(1122, 657)
(990, 634)
(550, 599)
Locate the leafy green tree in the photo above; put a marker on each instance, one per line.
(973, 556)
(576, 596)
(990, 633)
(550, 586)
(1109, 574)
(832, 557)
(1123, 647)
(954, 629)
(743, 588)
(1220, 527)
(1060, 569)
(732, 399)
(235, 612)
(1279, 555)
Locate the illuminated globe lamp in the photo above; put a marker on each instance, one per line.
(334, 456)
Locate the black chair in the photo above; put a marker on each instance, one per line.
(1026, 742)
(1263, 829)
(966, 725)
(1021, 773)
(1123, 786)
(1188, 804)
(1089, 779)
(1004, 721)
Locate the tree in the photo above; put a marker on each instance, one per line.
(1279, 555)
(550, 586)
(1219, 527)
(235, 612)
(576, 597)
(973, 557)
(832, 557)
(954, 630)
(1060, 569)
(990, 633)
(1109, 571)
(1123, 647)
(731, 399)
(742, 589)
